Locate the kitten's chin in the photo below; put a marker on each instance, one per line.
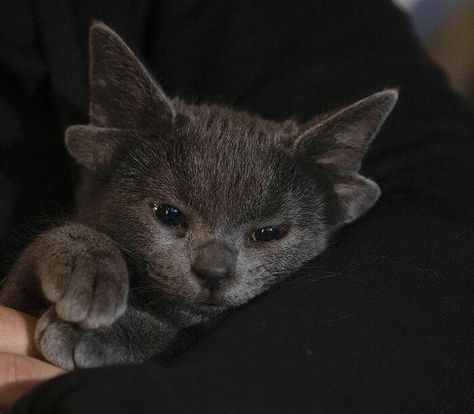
(210, 303)
(204, 304)
(209, 308)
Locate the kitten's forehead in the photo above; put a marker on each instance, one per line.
(225, 164)
(205, 119)
(231, 164)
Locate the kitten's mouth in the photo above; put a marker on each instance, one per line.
(211, 303)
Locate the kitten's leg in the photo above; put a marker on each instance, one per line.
(80, 279)
(134, 337)
(77, 269)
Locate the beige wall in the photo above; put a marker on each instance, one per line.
(452, 47)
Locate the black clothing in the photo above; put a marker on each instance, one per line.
(383, 321)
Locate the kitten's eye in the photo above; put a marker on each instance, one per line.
(267, 234)
(168, 214)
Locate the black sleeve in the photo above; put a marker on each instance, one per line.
(382, 322)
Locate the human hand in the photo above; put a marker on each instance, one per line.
(20, 366)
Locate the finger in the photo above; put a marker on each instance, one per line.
(16, 332)
(19, 374)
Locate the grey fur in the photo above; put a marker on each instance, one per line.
(117, 285)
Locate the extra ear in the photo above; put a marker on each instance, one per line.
(123, 95)
(94, 147)
(339, 142)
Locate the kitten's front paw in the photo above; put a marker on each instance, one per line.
(87, 286)
(66, 345)
(55, 339)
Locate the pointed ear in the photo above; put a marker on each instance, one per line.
(94, 147)
(342, 139)
(338, 143)
(122, 93)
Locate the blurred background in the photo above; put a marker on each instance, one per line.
(446, 28)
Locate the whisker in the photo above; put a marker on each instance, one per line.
(132, 256)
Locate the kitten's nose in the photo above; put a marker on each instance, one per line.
(214, 264)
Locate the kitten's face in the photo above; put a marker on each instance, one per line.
(237, 193)
(214, 205)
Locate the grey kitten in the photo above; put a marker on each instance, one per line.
(183, 212)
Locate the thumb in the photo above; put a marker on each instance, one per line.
(16, 332)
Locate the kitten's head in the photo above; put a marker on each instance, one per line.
(215, 205)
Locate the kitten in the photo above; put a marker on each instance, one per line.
(183, 212)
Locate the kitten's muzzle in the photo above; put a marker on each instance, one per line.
(214, 265)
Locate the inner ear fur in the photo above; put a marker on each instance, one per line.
(356, 195)
(94, 147)
(342, 139)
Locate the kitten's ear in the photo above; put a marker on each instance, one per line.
(94, 147)
(122, 93)
(339, 143)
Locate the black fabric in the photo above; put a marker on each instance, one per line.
(383, 321)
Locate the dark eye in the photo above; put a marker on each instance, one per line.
(168, 214)
(267, 234)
